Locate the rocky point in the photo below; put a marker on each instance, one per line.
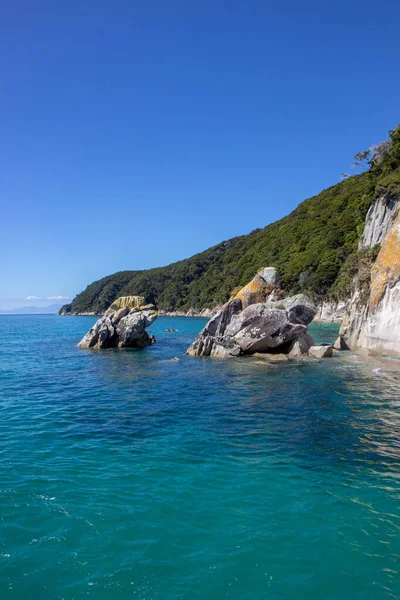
(123, 325)
(258, 319)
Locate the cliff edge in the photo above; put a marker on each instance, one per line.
(373, 319)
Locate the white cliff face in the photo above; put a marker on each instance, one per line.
(381, 333)
(191, 312)
(352, 312)
(332, 311)
(351, 333)
(382, 326)
(379, 220)
(375, 325)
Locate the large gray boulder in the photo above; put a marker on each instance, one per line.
(300, 308)
(259, 328)
(122, 328)
(246, 325)
(270, 275)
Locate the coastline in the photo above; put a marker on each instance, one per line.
(206, 313)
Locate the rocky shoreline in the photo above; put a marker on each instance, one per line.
(259, 320)
(370, 318)
(205, 313)
(328, 312)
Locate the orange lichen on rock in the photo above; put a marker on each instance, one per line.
(126, 301)
(264, 286)
(387, 266)
(254, 292)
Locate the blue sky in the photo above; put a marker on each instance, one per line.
(134, 134)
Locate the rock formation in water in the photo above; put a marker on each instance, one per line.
(258, 319)
(373, 320)
(123, 325)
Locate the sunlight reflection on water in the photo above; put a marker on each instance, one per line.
(198, 478)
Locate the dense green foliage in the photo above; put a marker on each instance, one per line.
(314, 249)
(99, 295)
(356, 273)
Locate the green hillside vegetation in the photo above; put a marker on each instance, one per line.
(99, 295)
(314, 248)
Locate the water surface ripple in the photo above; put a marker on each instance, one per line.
(125, 474)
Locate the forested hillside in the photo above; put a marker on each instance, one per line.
(314, 248)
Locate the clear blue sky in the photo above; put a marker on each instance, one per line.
(134, 134)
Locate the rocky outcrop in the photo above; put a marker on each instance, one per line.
(258, 319)
(122, 326)
(259, 329)
(125, 302)
(373, 323)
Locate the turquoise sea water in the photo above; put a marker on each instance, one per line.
(124, 474)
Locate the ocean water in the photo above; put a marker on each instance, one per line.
(125, 474)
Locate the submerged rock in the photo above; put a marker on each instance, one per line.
(122, 326)
(263, 357)
(257, 319)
